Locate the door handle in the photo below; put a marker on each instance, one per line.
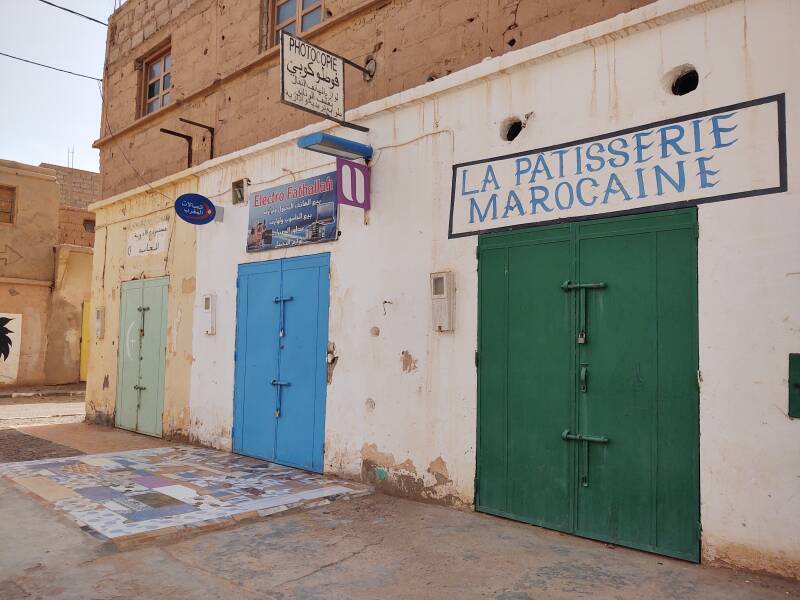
(139, 387)
(585, 441)
(566, 435)
(569, 286)
(279, 385)
(584, 375)
(282, 302)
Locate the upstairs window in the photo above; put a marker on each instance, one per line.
(8, 200)
(294, 16)
(157, 81)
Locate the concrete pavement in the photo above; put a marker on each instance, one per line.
(371, 547)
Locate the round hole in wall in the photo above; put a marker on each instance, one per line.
(511, 128)
(683, 80)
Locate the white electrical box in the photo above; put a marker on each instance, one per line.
(443, 291)
(209, 314)
(99, 323)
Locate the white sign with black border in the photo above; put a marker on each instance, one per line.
(312, 79)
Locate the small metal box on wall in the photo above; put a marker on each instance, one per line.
(209, 314)
(443, 291)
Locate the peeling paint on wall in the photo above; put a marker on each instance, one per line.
(408, 362)
(732, 555)
(331, 359)
(402, 479)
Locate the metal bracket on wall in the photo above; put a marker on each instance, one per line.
(183, 136)
(206, 127)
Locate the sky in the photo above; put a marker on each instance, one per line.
(45, 113)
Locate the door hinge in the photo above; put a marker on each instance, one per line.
(477, 253)
(476, 359)
(699, 379)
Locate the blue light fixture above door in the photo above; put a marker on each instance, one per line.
(334, 146)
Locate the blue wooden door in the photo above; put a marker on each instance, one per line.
(281, 346)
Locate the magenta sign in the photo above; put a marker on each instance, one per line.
(353, 183)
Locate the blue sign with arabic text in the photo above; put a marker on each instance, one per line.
(195, 209)
(296, 213)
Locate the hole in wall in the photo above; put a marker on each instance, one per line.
(511, 42)
(683, 80)
(511, 128)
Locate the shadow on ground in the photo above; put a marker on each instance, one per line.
(16, 446)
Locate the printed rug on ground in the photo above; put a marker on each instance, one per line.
(139, 493)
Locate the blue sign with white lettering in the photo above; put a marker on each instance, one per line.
(195, 209)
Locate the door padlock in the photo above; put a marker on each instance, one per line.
(582, 337)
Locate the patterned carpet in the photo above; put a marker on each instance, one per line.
(143, 493)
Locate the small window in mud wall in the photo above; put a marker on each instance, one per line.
(156, 81)
(8, 202)
(294, 16)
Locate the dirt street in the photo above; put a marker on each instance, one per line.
(370, 547)
(373, 547)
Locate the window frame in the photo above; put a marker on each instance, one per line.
(154, 57)
(274, 27)
(14, 206)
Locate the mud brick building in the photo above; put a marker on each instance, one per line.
(46, 237)
(572, 302)
(224, 64)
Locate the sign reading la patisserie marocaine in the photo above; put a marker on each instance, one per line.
(730, 152)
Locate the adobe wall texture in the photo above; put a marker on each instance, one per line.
(223, 78)
(76, 188)
(40, 279)
(72, 227)
(26, 247)
(71, 289)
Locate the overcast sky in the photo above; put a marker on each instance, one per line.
(43, 113)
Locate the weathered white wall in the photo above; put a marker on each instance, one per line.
(413, 421)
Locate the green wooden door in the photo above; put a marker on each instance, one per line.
(142, 355)
(588, 410)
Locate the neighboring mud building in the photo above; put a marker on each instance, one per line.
(572, 302)
(46, 236)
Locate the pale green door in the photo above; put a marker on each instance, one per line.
(142, 354)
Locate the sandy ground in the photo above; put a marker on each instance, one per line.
(372, 547)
